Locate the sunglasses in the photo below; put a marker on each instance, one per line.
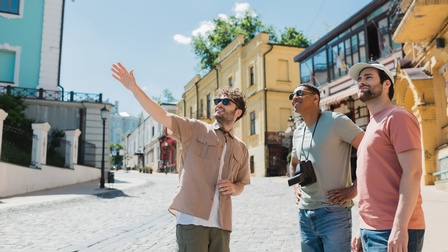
(299, 93)
(225, 101)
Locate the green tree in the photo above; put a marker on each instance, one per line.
(208, 46)
(294, 38)
(14, 106)
(116, 160)
(166, 96)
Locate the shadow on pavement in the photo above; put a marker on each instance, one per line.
(112, 193)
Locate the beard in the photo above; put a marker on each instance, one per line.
(225, 118)
(371, 93)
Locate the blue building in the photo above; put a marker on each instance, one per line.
(30, 60)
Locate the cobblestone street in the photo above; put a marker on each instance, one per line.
(136, 219)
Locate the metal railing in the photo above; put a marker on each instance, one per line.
(17, 146)
(54, 95)
(56, 150)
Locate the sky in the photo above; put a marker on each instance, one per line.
(152, 38)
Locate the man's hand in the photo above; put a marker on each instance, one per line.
(356, 244)
(340, 196)
(225, 186)
(297, 193)
(398, 240)
(122, 75)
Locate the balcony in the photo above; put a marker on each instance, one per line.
(418, 20)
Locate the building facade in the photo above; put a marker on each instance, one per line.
(30, 58)
(422, 78)
(147, 145)
(405, 36)
(266, 74)
(121, 124)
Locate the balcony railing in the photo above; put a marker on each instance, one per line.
(53, 95)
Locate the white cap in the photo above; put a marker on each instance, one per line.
(357, 68)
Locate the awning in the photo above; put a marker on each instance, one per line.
(339, 96)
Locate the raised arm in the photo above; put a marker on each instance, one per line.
(153, 108)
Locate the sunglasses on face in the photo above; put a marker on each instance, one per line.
(299, 93)
(225, 101)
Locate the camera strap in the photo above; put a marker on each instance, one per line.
(311, 141)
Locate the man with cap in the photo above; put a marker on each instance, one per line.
(389, 168)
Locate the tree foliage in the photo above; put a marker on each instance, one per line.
(293, 37)
(166, 96)
(208, 46)
(14, 106)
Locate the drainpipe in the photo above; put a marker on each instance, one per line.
(265, 97)
(197, 100)
(60, 50)
(217, 77)
(185, 104)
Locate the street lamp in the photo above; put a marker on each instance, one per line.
(166, 157)
(104, 113)
(291, 123)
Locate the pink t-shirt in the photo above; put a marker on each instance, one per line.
(390, 131)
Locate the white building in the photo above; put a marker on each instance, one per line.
(142, 145)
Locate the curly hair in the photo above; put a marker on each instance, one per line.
(236, 95)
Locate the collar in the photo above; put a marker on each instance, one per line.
(217, 126)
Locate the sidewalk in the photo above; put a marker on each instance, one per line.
(64, 193)
(435, 202)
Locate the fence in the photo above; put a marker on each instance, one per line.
(17, 146)
(54, 95)
(56, 152)
(17, 149)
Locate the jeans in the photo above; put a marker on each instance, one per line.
(376, 240)
(326, 229)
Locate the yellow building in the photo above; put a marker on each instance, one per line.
(422, 78)
(267, 74)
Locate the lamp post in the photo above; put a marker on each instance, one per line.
(104, 113)
(166, 157)
(291, 123)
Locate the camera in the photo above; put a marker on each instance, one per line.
(305, 175)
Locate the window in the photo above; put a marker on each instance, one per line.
(10, 62)
(252, 76)
(252, 164)
(362, 47)
(153, 131)
(348, 53)
(201, 111)
(252, 123)
(355, 49)
(11, 8)
(384, 37)
(230, 82)
(338, 61)
(209, 106)
(306, 70)
(283, 67)
(320, 68)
